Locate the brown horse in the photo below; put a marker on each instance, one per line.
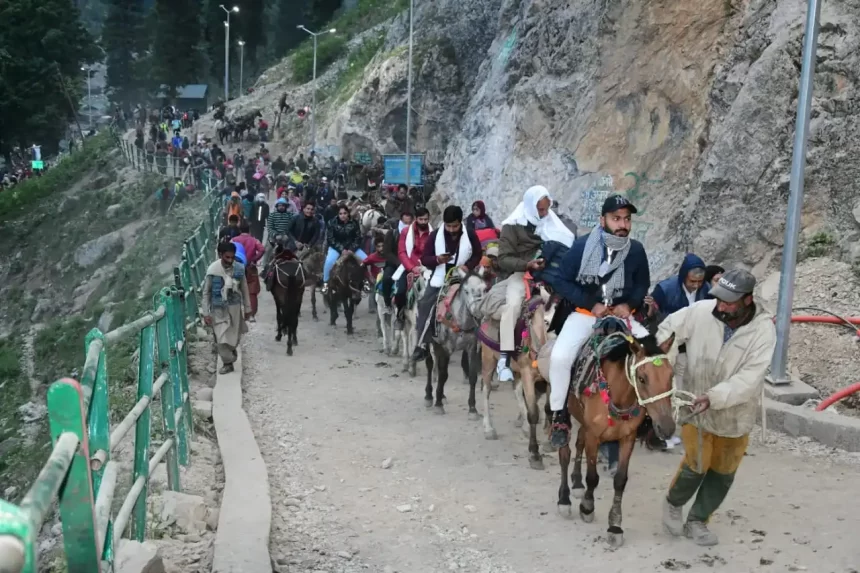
(616, 379)
(312, 263)
(346, 288)
(287, 284)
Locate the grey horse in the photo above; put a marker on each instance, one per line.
(464, 309)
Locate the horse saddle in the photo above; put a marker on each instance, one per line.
(285, 267)
(489, 335)
(584, 371)
(443, 307)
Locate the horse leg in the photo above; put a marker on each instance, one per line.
(314, 303)
(586, 504)
(487, 365)
(564, 506)
(277, 319)
(576, 476)
(472, 373)
(547, 423)
(464, 364)
(616, 534)
(533, 417)
(428, 389)
(332, 303)
(348, 310)
(443, 360)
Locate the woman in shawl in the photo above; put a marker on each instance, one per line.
(479, 219)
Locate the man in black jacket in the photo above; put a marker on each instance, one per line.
(305, 230)
(603, 273)
(390, 252)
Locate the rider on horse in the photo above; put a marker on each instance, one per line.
(343, 236)
(523, 234)
(304, 229)
(606, 273)
(412, 243)
(448, 247)
(278, 224)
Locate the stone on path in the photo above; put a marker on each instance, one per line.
(136, 557)
(187, 512)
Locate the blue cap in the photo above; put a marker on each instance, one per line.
(281, 201)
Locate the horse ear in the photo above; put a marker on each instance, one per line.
(667, 344)
(461, 273)
(480, 270)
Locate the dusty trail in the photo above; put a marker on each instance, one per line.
(326, 419)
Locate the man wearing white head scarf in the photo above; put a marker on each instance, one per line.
(523, 233)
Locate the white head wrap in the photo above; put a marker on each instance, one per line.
(550, 227)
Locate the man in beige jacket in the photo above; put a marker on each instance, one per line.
(730, 344)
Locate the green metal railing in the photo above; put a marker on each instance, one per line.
(79, 473)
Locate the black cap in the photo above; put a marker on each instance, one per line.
(614, 203)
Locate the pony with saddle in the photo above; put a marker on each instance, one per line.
(345, 288)
(615, 379)
(286, 281)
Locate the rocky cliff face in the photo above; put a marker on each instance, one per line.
(688, 108)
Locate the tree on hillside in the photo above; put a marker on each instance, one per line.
(124, 42)
(288, 14)
(176, 55)
(319, 12)
(251, 28)
(40, 42)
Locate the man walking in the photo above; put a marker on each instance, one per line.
(729, 344)
(226, 303)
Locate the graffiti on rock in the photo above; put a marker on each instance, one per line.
(592, 201)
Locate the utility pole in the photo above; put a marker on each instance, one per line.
(409, 100)
(241, 65)
(314, 86)
(778, 374)
(227, 51)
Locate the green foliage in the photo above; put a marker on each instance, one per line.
(368, 14)
(318, 12)
(818, 245)
(176, 59)
(59, 347)
(329, 48)
(10, 364)
(124, 40)
(40, 42)
(58, 178)
(356, 63)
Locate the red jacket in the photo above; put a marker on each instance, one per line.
(254, 249)
(408, 262)
(374, 263)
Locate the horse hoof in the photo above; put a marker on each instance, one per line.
(586, 517)
(350, 331)
(566, 511)
(577, 492)
(490, 435)
(615, 540)
(316, 319)
(474, 416)
(536, 463)
(278, 338)
(289, 351)
(439, 409)
(428, 402)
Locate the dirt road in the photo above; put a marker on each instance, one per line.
(327, 418)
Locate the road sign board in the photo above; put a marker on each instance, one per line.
(362, 157)
(37, 164)
(395, 168)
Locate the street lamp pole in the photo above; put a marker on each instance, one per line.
(314, 85)
(241, 65)
(89, 97)
(227, 51)
(409, 99)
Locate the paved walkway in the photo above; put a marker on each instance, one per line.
(326, 419)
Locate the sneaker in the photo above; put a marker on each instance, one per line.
(226, 369)
(324, 289)
(700, 534)
(560, 435)
(673, 518)
(504, 373)
(419, 354)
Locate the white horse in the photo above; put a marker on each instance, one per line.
(385, 325)
(408, 336)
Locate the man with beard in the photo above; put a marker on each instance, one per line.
(605, 273)
(729, 344)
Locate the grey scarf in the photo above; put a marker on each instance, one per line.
(592, 268)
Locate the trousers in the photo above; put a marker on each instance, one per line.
(576, 330)
(331, 258)
(425, 307)
(721, 458)
(515, 293)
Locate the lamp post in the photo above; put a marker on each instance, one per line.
(241, 65)
(227, 51)
(89, 96)
(409, 100)
(314, 86)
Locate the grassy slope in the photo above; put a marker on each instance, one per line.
(42, 224)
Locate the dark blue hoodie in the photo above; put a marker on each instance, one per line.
(669, 294)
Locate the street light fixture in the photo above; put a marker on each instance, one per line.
(314, 86)
(241, 65)
(227, 51)
(89, 96)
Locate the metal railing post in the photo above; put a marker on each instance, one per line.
(67, 413)
(179, 395)
(168, 411)
(143, 428)
(182, 361)
(98, 419)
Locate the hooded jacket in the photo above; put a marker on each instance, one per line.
(670, 295)
(731, 373)
(342, 236)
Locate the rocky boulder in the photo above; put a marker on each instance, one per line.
(185, 512)
(136, 557)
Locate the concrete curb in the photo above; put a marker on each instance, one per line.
(832, 430)
(245, 518)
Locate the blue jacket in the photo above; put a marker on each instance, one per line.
(669, 293)
(637, 278)
(553, 253)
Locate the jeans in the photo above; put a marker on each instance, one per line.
(425, 307)
(331, 258)
(400, 297)
(610, 451)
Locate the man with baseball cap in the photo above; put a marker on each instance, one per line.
(604, 273)
(729, 344)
